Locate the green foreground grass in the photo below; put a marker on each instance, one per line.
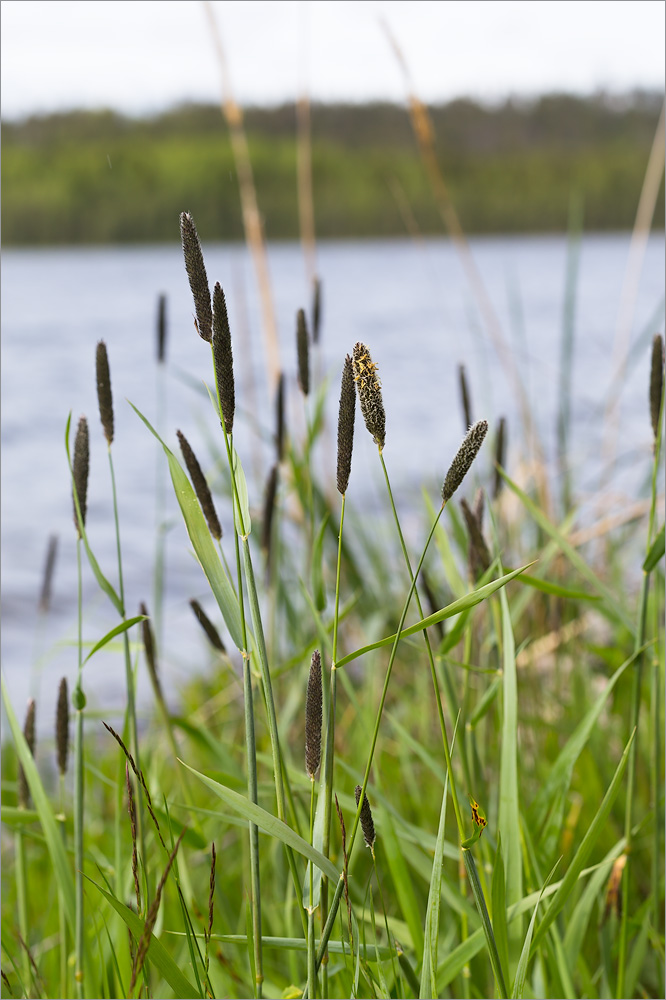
(510, 800)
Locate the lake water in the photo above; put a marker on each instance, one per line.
(409, 302)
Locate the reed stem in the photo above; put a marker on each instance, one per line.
(79, 792)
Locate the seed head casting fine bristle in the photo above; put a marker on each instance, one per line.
(369, 392)
(201, 487)
(223, 358)
(313, 716)
(656, 382)
(80, 470)
(346, 415)
(104, 397)
(196, 272)
(367, 824)
(467, 452)
(303, 352)
(62, 726)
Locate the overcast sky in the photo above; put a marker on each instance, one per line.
(138, 56)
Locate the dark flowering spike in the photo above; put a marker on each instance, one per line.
(656, 382)
(161, 328)
(313, 716)
(367, 824)
(369, 392)
(149, 648)
(346, 425)
(303, 352)
(207, 626)
(49, 569)
(269, 507)
(201, 487)
(479, 556)
(433, 604)
(464, 397)
(500, 456)
(316, 311)
(62, 726)
(223, 358)
(29, 733)
(131, 808)
(479, 503)
(104, 397)
(279, 418)
(80, 470)
(196, 272)
(467, 452)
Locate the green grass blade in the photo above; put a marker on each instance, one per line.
(572, 555)
(521, 971)
(52, 835)
(579, 919)
(509, 815)
(428, 984)
(118, 630)
(486, 926)
(557, 590)
(498, 899)
(271, 825)
(241, 487)
(463, 604)
(568, 882)
(157, 953)
(202, 541)
(402, 882)
(656, 552)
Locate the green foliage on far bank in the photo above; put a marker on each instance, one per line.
(97, 177)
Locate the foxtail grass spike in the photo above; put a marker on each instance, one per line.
(313, 716)
(223, 358)
(464, 397)
(346, 425)
(656, 382)
(47, 579)
(303, 352)
(149, 648)
(269, 507)
(207, 626)
(201, 487)
(196, 272)
(461, 464)
(62, 726)
(479, 556)
(367, 824)
(500, 456)
(279, 418)
(80, 470)
(104, 397)
(316, 311)
(479, 503)
(29, 733)
(161, 328)
(369, 392)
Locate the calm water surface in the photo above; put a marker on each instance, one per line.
(410, 303)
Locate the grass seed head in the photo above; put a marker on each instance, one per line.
(369, 392)
(303, 352)
(80, 471)
(104, 396)
(149, 648)
(201, 487)
(464, 397)
(346, 415)
(207, 626)
(656, 382)
(269, 508)
(196, 272)
(223, 358)
(466, 454)
(29, 733)
(479, 555)
(313, 716)
(316, 311)
(500, 456)
(62, 726)
(161, 328)
(49, 570)
(279, 418)
(367, 824)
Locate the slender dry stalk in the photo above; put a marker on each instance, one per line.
(346, 415)
(303, 352)
(104, 395)
(464, 397)
(466, 454)
(201, 487)
(367, 823)
(161, 328)
(207, 626)
(49, 571)
(80, 472)
(223, 358)
(369, 392)
(196, 272)
(131, 808)
(313, 716)
(656, 383)
(29, 733)
(211, 891)
(62, 727)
